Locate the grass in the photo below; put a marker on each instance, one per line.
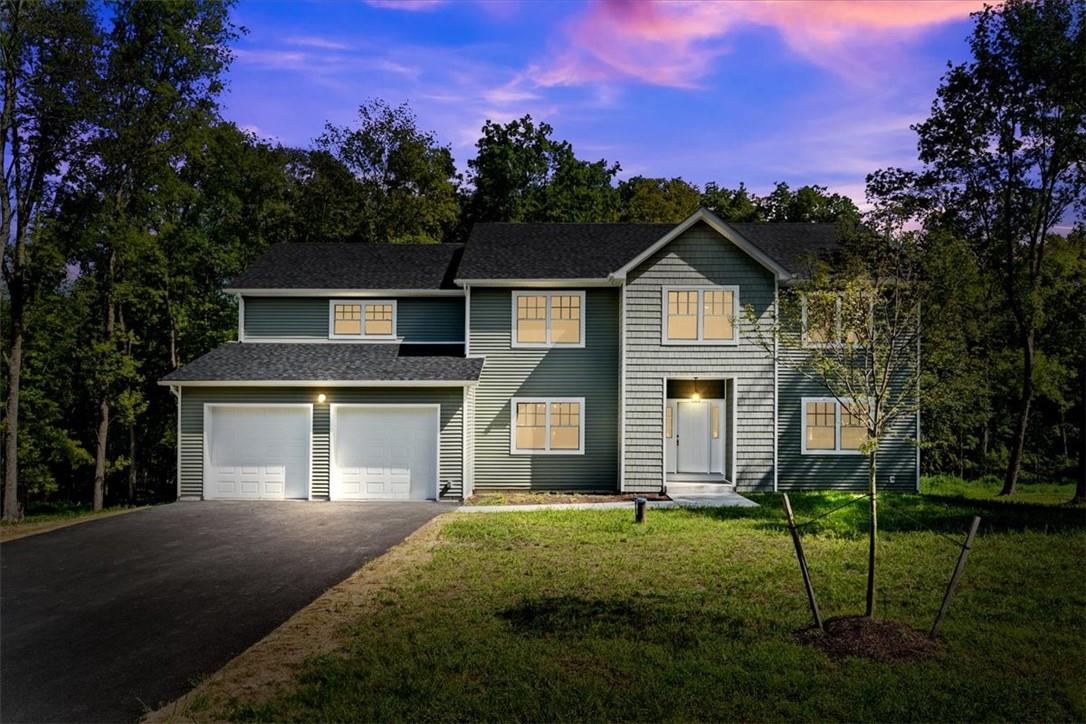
(583, 615)
(43, 517)
(989, 487)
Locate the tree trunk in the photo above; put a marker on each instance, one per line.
(103, 405)
(12, 510)
(872, 492)
(1018, 444)
(1080, 486)
(132, 463)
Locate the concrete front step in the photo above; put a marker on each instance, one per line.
(683, 490)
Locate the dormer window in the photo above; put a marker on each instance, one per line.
(362, 319)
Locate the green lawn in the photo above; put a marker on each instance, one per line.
(582, 615)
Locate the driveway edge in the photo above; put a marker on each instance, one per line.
(51, 525)
(271, 664)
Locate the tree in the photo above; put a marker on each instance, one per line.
(1005, 156)
(854, 330)
(738, 204)
(807, 204)
(47, 50)
(159, 83)
(520, 173)
(657, 200)
(405, 183)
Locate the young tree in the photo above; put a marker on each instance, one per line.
(47, 57)
(854, 330)
(1005, 156)
(406, 184)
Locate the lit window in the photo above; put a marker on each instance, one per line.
(714, 423)
(548, 426)
(829, 428)
(362, 319)
(347, 319)
(667, 422)
(548, 319)
(379, 319)
(701, 315)
(824, 322)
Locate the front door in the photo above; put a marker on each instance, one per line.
(693, 436)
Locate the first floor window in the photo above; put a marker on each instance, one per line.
(548, 425)
(829, 427)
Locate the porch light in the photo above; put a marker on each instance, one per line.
(321, 398)
(695, 395)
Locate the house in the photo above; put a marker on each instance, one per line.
(535, 356)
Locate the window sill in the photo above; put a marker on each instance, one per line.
(546, 452)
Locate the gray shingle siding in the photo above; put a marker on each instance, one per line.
(418, 319)
(192, 426)
(591, 373)
(700, 256)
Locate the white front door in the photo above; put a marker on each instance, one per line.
(256, 452)
(692, 439)
(384, 452)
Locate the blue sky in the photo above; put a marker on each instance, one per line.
(802, 92)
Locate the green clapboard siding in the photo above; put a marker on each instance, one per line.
(192, 426)
(897, 453)
(700, 256)
(419, 319)
(591, 373)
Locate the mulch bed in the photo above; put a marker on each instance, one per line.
(859, 636)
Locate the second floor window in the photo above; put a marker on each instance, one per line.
(700, 315)
(548, 319)
(362, 319)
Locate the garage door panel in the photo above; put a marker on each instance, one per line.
(385, 452)
(257, 452)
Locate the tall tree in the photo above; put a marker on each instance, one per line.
(737, 204)
(47, 52)
(520, 173)
(160, 80)
(657, 200)
(404, 181)
(1005, 150)
(807, 204)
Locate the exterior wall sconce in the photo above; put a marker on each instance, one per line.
(695, 395)
(321, 398)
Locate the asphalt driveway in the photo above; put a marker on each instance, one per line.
(104, 620)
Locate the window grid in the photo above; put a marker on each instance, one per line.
(701, 315)
(548, 319)
(548, 426)
(830, 428)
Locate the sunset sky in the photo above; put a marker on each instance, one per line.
(803, 92)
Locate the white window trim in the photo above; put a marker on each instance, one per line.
(838, 332)
(362, 302)
(514, 450)
(700, 289)
(837, 449)
(547, 322)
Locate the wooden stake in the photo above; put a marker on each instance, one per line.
(802, 563)
(953, 585)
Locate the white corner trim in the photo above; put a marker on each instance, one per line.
(467, 321)
(622, 389)
(514, 450)
(547, 320)
(700, 289)
(241, 318)
(776, 381)
(717, 224)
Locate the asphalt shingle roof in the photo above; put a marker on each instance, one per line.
(346, 265)
(592, 251)
(268, 361)
(554, 251)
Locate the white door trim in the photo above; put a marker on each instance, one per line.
(333, 482)
(278, 405)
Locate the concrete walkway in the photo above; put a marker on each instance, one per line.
(715, 500)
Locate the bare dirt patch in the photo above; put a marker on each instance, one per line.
(859, 636)
(544, 498)
(270, 665)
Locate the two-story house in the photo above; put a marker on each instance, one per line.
(604, 357)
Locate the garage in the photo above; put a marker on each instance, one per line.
(257, 452)
(384, 452)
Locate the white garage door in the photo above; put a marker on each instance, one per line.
(384, 452)
(256, 452)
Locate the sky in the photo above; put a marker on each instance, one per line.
(801, 91)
